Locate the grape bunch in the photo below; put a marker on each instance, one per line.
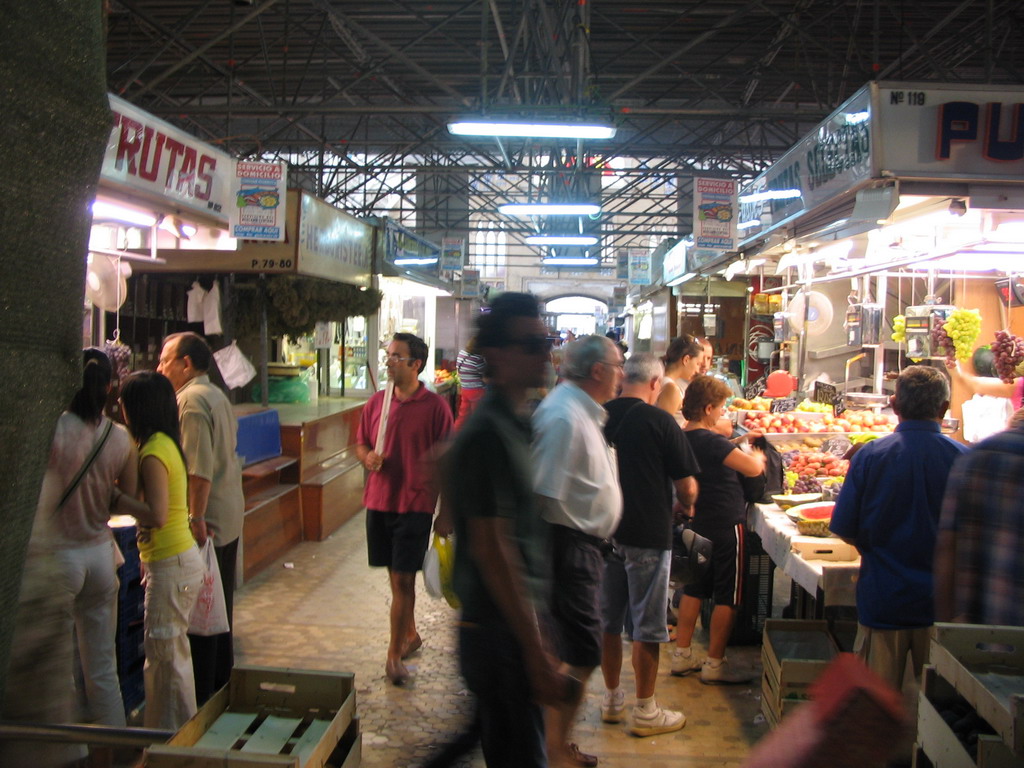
(942, 344)
(963, 327)
(807, 485)
(1009, 353)
(899, 329)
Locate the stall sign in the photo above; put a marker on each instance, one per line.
(938, 131)
(622, 264)
(698, 259)
(322, 335)
(782, 405)
(470, 285)
(618, 303)
(835, 158)
(149, 156)
(333, 244)
(258, 210)
(453, 254)
(674, 264)
(639, 266)
(714, 213)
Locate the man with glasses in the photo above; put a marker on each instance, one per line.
(501, 562)
(399, 496)
(216, 504)
(577, 482)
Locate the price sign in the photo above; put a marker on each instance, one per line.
(754, 390)
(782, 405)
(838, 405)
(824, 393)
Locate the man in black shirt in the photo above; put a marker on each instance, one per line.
(500, 572)
(653, 457)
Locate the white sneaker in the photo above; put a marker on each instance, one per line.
(684, 662)
(613, 708)
(658, 721)
(723, 674)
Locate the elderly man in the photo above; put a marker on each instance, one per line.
(889, 509)
(399, 495)
(653, 456)
(576, 479)
(216, 505)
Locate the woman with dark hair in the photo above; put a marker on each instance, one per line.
(682, 362)
(719, 515)
(91, 459)
(174, 569)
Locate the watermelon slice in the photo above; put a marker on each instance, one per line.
(816, 511)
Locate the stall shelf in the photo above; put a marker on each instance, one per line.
(828, 582)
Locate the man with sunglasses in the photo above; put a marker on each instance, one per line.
(501, 563)
(400, 496)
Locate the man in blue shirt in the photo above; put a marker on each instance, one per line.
(889, 509)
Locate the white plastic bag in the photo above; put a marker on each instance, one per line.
(984, 416)
(235, 368)
(210, 613)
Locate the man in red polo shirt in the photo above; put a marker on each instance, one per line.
(400, 497)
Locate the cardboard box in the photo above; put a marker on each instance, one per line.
(269, 717)
(822, 548)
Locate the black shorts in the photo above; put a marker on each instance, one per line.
(724, 580)
(397, 541)
(577, 568)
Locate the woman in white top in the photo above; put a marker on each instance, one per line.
(682, 362)
(76, 533)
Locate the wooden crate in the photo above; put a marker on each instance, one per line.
(269, 717)
(986, 666)
(793, 654)
(940, 744)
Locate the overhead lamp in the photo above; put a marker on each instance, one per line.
(537, 130)
(105, 211)
(411, 262)
(770, 194)
(177, 227)
(549, 209)
(957, 207)
(681, 279)
(561, 240)
(570, 261)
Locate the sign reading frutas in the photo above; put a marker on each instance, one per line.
(259, 191)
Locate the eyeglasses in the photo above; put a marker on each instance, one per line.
(393, 358)
(532, 345)
(615, 365)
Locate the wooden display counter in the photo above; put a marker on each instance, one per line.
(321, 437)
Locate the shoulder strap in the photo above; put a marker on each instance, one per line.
(97, 447)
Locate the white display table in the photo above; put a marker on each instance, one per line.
(831, 582)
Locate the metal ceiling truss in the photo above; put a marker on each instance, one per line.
(356, 94)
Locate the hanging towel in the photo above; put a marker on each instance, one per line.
(196, 297)
(211, 312)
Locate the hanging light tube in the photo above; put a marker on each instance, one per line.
(549, 209)
(570, 261)
(537, 130)
(104, 211)
(561, 240)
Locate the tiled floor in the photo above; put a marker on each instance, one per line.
(322, 607)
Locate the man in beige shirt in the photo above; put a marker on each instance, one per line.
(215, 501)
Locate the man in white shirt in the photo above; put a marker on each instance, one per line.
(576, 480)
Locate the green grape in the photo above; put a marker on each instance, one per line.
(899, 329)
(963, 327)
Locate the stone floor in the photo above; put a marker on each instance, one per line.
(322, 607)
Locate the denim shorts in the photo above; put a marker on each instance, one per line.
(636, 581)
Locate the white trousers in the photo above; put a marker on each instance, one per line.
(88, 577)
(172, 586)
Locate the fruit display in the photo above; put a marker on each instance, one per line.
(445, 379)
(754, 404)
(787, 500)
(899, 329)
(962, 327)
(809, 464)
(792, 422)
(941, 341)
(809, 406)
(1009, 353)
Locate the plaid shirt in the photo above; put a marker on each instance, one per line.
(983, 506)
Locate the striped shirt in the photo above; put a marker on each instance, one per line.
(471, 370)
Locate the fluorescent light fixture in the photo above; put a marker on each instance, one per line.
(414, 262)
(568, 261)
(105, 211)
(565, 130)
(770, 194)
(561, 239)
(856, 118)
(682, 279)
(749, 224)
(549, 209)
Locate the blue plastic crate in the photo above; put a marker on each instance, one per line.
(259, 436)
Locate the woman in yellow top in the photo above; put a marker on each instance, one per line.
(173, 567)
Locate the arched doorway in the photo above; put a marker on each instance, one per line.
(582, 315)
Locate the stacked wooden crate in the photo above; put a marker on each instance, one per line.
(793, 654)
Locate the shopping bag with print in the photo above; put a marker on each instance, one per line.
(210, 613)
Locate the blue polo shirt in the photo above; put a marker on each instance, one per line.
(889, 507)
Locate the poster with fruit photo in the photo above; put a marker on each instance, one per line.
(258, 213)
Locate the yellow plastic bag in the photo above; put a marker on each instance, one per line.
(439, 568)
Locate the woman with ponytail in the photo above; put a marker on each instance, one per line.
(91, 459)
